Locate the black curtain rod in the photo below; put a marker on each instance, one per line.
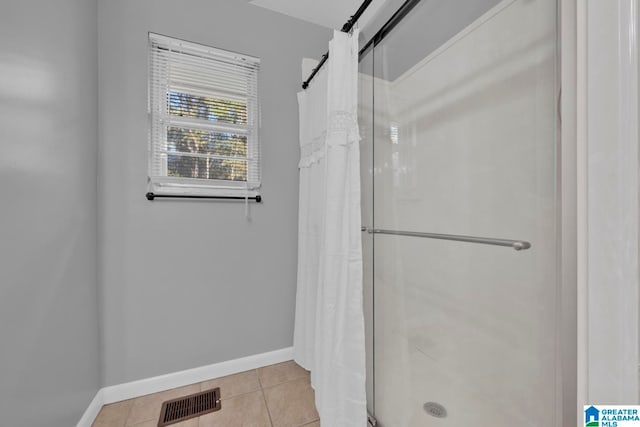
(395, 19)
(152, 196)
(391, 23)
(348, 26)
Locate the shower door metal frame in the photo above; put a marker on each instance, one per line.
(571, 198)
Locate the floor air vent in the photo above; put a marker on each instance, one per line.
(194, 405)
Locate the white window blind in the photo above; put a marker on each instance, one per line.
(203, 107)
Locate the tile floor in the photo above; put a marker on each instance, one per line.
(274, 396)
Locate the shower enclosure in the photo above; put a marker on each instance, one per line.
(459, 124)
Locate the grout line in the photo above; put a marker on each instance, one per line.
(264, 398)
(129, 412)
(262, 389)
(259, 382)
(310, 422)
(284, 382)
(266, 405)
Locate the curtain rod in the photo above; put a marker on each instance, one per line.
(391, 23)
(348, 26)
(386, 28)
(151, 196)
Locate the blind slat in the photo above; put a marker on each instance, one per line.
(202, 124)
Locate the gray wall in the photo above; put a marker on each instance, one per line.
(49, 351)
(429, 25)
(187, 283)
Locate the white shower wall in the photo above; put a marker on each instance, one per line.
(465, 143)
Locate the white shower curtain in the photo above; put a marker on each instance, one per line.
(329, 326)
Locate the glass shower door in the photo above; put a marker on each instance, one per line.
(458, 110)
(365, 124)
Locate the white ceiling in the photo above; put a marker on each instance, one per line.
(328, 13)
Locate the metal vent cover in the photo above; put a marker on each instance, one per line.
(191, 406)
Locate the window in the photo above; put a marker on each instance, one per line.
(203, 107)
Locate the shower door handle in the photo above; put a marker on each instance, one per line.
(517, 245)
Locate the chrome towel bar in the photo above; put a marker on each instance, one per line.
(517, 245)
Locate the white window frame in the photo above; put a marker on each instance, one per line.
(167, 53)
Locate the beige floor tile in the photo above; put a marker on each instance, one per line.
(313, 424)
(234, 385)
(246, 410)
(97, 423)
(113, 415)
(193, 422)
(280, 373)
(148, 407)
(291, 404)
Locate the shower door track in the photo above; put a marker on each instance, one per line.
(517, 245)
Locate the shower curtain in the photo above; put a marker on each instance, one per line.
(329, 324)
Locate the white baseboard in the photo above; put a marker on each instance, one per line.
(92, 411)
(130, 390)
